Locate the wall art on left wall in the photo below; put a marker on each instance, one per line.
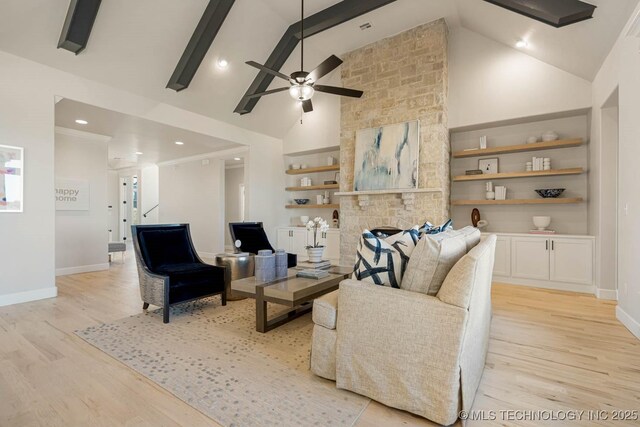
(11, 178)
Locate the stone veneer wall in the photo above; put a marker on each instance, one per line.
(404, 78)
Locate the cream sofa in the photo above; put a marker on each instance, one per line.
(408, 350)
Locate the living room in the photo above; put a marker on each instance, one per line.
(548, 109)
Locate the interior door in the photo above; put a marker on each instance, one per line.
(530, 258)
(572, 260)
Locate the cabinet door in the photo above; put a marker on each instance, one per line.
(572, 260)
(284, 239)
(530, 258)
(299, 243)
(332, 246)
(502, 263)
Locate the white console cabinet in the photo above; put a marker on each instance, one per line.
(295, 240)
(561, 262)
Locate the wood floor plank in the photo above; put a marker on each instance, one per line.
(548, 350)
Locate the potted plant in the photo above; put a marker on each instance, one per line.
(315, 251)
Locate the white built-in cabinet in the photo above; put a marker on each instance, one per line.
(555, 262)
(295, 240)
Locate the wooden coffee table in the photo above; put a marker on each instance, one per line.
(292, 291)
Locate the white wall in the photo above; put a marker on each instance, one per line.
(193, 193)
(490, 82)
(149, 194)
(621, 70)
(27, 93)
(82, 236)
(234, 177)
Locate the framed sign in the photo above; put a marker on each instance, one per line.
(72, 194)
(11, 179)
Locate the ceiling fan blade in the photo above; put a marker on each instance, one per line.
(307, 106)
(342, 91)
(327, 66)
(268, 92)
(267, 70)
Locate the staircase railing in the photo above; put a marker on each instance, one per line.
(145, 214)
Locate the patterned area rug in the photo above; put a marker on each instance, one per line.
(212, 358)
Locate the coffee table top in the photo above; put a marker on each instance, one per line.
(291, 290)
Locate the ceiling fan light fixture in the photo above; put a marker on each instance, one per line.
(301, 92)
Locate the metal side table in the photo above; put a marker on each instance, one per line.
(237, 266)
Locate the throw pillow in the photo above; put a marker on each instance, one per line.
(431, 261)
(384, 261)
(429, 228)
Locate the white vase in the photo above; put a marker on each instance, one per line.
(315, 254)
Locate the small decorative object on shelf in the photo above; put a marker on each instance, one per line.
(473, 172)
(326, 200)
(315, 251)
(490, 195)
(336, 219)
(541, 222)
(475, 217)
(532, 140)
(483, 142)
(549, 136)
(304, 219)
(330, 182)
(550, 192)
(301, 201)
(319, 199)
(488, 165)
(482, 223)
(295, 166)
(528, 167)
(331, 161)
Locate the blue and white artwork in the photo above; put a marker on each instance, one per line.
(386, 158)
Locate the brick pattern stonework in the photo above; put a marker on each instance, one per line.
(404, 78)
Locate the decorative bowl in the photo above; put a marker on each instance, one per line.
(301, 201)
(549, 192)
(541, 222)
(549, 136)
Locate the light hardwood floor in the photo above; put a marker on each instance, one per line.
(548, 351)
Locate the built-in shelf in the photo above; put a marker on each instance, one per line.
(536, 146)
(374, 192)
(506, 175)
(314, 187)
(313, 170)
(330, 206)
(548, 201)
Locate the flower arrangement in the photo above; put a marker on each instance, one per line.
(317, 224)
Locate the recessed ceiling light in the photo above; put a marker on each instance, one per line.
(521, 44)
(179, 143)
(82, 122)
(139, 153)
(237, 158)
(222, 63)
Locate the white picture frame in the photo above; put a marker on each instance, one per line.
(11, 179)
(488, 166)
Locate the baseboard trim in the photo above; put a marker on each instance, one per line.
(629, 322)
(608, 294)
(546, 284)
(27, 296)
(81, 269)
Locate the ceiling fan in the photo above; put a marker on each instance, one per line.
(302, 83)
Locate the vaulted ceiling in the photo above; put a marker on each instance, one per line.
(135, 45)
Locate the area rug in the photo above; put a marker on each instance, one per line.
(212, 358)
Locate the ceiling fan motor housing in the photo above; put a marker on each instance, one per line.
(300, 77)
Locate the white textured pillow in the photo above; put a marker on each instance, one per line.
(384, 261)
(431, 261)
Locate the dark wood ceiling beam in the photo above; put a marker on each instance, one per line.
(78, 25)
(334, 15)
(199, 44)
(552, 12)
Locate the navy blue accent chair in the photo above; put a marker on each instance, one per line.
(253, 238)
(169, 269)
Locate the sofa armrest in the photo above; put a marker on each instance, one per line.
(400, 348)
(325, 310)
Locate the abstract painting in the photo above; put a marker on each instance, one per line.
(386, 158)
(11, 178)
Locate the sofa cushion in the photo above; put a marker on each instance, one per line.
(325, 310)
(470, 234)
(384, 261)
(431, 261)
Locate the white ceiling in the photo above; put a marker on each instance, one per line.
(135, 45)
(131, 134)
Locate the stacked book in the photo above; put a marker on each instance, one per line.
(501, 192)
(321, 265)
(473, 172)
(312, 274)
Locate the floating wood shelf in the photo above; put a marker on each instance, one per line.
(331, 206)
(314, 187)
(505, 175)
(548, 201)
(536, 146)
(312, 170)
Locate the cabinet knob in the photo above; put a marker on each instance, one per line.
(553, 245)
(546, 245)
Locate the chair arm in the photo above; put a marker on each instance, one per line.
(154, 288)
(400, 348)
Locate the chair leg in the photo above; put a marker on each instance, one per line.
(165, 314)
(224, 297)
(145, 305)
